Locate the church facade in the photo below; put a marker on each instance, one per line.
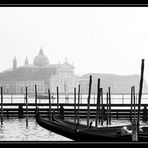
(41, 73)
(49, 76)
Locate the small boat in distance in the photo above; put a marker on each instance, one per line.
(42, 97)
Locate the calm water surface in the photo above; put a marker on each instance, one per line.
(14, 129)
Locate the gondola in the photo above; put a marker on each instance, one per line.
(54, 126)
(81, 133)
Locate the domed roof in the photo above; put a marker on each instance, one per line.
(41, 59)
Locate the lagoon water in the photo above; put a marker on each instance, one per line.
(14, 129)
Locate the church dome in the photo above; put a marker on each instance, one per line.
(41, 59)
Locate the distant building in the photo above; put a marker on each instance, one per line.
(117, 83)
(49, 76)
(41, 73)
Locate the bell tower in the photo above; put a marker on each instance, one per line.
(14, 63)
(26, 61)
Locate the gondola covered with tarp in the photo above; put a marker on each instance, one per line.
(83, 133)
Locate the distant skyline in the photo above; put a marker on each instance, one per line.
(110, 40)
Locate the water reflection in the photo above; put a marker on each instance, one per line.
(15, 129)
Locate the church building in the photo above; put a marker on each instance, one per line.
(41, 73)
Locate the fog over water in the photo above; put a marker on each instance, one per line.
(96, 39)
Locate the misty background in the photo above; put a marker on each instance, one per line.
(109, 40)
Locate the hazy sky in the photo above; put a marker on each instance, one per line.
(96, 39)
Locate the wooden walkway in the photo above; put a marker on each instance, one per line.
(118, 111)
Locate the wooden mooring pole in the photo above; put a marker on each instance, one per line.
(78, 103)
(134, 103)
(131, 111)
(134, 131)
(102, 111)
(26, 97)
(109, 97)
(107, 107)
(98, 104)
(35, 98)
(49, 98)
(75, 105)
(57, 100)
(20, 111)
(140, 94)
(133, 120)
(1, 105)
(88, 100)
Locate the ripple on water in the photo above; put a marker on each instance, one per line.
(15, 130)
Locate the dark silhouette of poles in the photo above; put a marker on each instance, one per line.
(26, 97)
(78, 102)
(144, 114)
(134, 102)
(107, 100)
(57, 101)
(134, 131)
(75, 105)
(61, 112)
(109, 97)
(133, 121)
(20, 111)
(131, 104)
(98, 103)
(88, 100)
(35, 98)
(1, 105)
(102, 111)
(49, 98)
(140, 93)
(7, 114)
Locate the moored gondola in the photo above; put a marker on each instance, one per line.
(81, 133)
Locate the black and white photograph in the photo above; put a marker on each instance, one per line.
(73, 74)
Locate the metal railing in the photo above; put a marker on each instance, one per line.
(116, 98)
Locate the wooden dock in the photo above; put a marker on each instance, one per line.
(118, 111)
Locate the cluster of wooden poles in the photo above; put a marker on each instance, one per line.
(100, 111)
(136, 120)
